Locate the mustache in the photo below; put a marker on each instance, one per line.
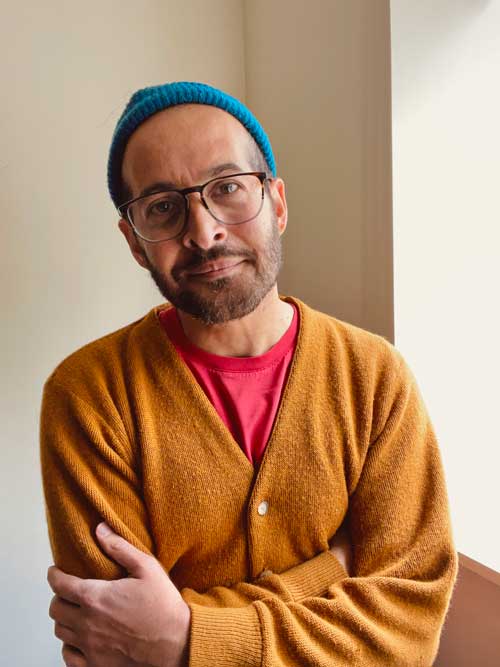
(200, 257)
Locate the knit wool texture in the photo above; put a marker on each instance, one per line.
(128, 436)
(148, 101)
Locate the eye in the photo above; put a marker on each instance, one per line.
(227, 188)
(162, 206)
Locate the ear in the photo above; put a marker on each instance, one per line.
(278, 199)
(133, 242)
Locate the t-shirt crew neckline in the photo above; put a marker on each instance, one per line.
(218, 362)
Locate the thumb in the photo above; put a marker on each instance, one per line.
(134, 560)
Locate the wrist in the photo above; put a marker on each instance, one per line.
(185, 628)
(172, 650)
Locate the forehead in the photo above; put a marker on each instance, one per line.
(183, 142)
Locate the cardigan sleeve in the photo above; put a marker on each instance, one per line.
(390, 612)
(88, 474)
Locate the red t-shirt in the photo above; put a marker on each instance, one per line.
(245, 391)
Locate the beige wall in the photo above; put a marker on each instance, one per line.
(319, 82)
(67, 69)
(318, 76)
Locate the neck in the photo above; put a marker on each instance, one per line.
(249, 336)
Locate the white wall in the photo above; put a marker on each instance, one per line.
(446, 110)
(67, 69)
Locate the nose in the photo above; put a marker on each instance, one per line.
(202, 229)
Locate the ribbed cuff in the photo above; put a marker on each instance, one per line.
(313, 577)
(225, 637)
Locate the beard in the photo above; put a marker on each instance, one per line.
(229, 297)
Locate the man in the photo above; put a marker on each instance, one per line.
(226, 438)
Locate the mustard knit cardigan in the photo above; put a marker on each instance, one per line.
(128, 436)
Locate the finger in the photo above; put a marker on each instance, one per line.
(64, 612)
(67, 586)
(134, 560)
(73, 657)
(66, 635)
(340, 547)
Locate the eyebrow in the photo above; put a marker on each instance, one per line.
(209, 173)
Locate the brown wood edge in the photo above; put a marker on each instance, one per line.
(479, 568)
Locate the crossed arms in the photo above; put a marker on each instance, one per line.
(389, 612)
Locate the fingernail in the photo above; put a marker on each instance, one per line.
(103, 529)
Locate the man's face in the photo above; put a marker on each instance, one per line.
(214, 272)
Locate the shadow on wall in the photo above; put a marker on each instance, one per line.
(471, 634)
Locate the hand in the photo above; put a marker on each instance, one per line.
(340, 547)
(141, 619)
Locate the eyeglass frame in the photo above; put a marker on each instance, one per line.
(123, 208)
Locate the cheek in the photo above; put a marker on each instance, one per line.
(254, 234)
(161, 257)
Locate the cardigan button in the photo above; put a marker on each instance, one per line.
(262, 508)
(265, 573)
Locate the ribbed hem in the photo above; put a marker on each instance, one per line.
(225, 637)
(316, 574)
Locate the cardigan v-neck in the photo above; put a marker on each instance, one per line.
(245, 391)
(128, 435)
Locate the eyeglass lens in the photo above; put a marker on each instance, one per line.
(231, 200)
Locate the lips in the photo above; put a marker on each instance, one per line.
(214, 268)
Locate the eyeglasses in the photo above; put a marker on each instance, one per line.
(163, 215)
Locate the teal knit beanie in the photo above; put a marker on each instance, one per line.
(148, 101)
